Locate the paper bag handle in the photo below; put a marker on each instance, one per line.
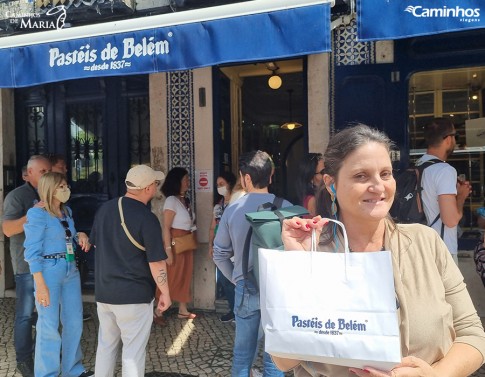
(344, 232)
(314, 244)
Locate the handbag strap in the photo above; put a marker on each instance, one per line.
(123, 225)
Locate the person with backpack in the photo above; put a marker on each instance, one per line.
(443, 195)
(255, 170)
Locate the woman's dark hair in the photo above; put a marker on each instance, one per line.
(173, 181)
(229, 177)
(306, 172)
(340, 146)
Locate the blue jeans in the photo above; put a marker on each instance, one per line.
(24, 308)
(64, 284)
(228, 288)
(248, 332)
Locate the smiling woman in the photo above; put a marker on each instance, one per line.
(440, 331)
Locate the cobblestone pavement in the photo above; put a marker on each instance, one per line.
(202, 347)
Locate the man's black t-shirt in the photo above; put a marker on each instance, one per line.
(122, 273)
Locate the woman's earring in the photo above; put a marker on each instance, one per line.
(333, 208)
(333, 197)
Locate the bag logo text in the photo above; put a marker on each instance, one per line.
(329, 327)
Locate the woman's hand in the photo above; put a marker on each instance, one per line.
(297, 233)
(211, 251)
(410, 366)
(83, 241)
(169, 259)
(42, 295)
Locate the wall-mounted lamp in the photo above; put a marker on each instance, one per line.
(274, 81)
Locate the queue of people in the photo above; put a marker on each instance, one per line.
(141, 262)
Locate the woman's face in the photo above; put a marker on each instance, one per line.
(365, 185)
(221, 182)
(62, 192)
(222, 186)
(184, 185)
(318, 176)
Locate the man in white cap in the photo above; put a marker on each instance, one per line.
(130, 263)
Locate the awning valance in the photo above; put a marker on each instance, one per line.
(292, 29)
(385, 19)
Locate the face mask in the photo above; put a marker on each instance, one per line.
(62, 195)
(222, 190)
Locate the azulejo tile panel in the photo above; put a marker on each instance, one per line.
(347, 50)
(180, 111)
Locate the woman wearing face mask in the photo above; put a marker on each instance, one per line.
(225, 185)
(50, 239)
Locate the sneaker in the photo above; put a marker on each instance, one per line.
(87, 373)
(26, 368)
(228, 317)
(87, 317)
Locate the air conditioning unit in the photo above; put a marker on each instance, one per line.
(475, 132)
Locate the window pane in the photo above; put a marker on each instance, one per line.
(458, 101)
(421, 103)
(86, 125)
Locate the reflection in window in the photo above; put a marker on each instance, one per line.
(86, 124)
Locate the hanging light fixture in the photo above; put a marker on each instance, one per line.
(291, 125)
(274, 81)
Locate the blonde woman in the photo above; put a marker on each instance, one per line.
(49, 249)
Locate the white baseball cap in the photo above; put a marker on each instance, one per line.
(141, 176)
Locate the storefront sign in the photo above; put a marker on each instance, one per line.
(278, 34)
(394, 19)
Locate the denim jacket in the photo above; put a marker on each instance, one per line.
(44, 235)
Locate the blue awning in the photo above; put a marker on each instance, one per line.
(384, 19)
(282, 33)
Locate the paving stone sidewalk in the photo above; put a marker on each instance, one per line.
(202, 347)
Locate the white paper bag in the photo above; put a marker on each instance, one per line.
(334, 308)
